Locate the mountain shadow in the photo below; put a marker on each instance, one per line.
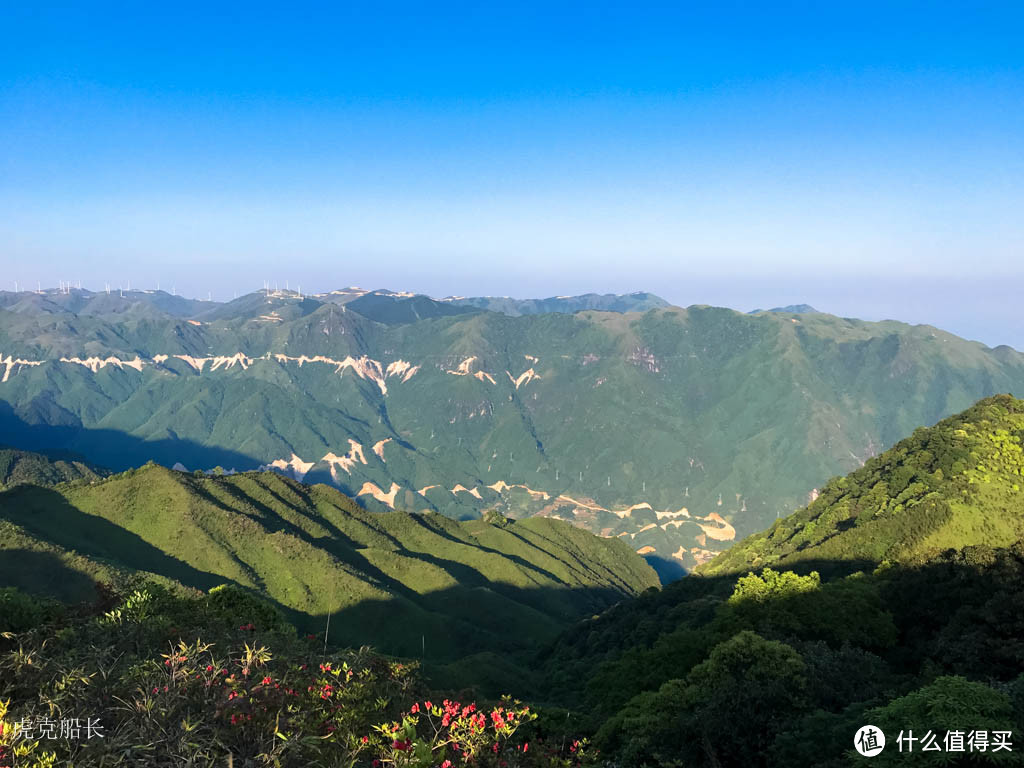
(43, 573)
(112, 448)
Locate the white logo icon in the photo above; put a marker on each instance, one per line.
(869, 740)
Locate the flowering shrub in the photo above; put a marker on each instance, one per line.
(451, 733)
(258, 694)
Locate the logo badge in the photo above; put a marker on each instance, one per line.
(869, 740)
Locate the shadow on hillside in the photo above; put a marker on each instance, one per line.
(668, 569)
(111, 448)
(439, 624)
(350, 552)
(43, 573)
(484, 648)
(438, 530)
(47, 515)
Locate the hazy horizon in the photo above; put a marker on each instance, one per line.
(829, 296)
(866, 159)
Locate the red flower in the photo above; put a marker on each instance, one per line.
(415, 708)
(366, 739)
(267, 681)
(402, 746)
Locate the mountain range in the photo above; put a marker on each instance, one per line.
(675, 429)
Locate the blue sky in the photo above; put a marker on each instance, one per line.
(866, 158)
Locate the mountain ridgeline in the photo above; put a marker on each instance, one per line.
(409, 584)
(676, 430)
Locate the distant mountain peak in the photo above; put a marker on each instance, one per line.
(795, 309)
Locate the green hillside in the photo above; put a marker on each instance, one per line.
(677, 430)
(949, 486)
(405, 583)
(894, 599)
(17, 467)
(607, 302)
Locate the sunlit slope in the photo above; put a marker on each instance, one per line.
(949, 486)
(392, 579)
(677, 430)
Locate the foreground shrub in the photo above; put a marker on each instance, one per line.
(95, 689)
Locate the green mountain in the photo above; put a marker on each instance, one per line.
(894, 599)
(19, 467)
(405, 583)
(793, 309)
(949, 486)
(677, 430)
(606, 302)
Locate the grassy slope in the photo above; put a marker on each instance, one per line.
(391, 579)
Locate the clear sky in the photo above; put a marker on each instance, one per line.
(867, 158)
